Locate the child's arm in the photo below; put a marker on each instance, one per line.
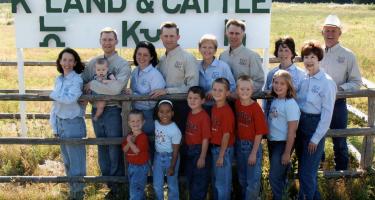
(202, 158)
(292, 128)
(253, 155)
(174, 159)
(130, 145)
(223, 147)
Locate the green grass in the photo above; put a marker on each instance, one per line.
(301, 21)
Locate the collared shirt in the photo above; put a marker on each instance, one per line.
(244, 61)
(65, 94)
(317, 95)
(143, 82)
(340, 63)
(179, 69)
(296, 73)
(217, 69)
(117, 66)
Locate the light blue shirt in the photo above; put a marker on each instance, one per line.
(317, 95)
(217, 69)
(65, 94)
(296, 73)
(165, 136)
(143, 82)
(281, 112)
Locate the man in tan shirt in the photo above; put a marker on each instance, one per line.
(242, 60)
(179, 69)
(340, 63)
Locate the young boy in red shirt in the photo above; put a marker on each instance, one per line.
(251, 126)
(135, 147)
(222, 139)
(197, 134)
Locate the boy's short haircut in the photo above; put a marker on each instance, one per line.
(136, 112)
(222, 80)
(102, 61)
(245, 78)
(236, 22)
(169, 25)
(197, 90)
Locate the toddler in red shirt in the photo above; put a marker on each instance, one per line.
(136, 150)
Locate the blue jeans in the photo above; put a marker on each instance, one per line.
(198, 179)
(111, 158)
(248, 176)
(278, 172)
(308, 164)
(149, 129)
(222, 176)
(340, 147)
(162, 161)
(74, 156)
(137, 175)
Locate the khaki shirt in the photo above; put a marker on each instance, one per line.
(244, 61)
(179, 69)
(118, 67)
(341, 64)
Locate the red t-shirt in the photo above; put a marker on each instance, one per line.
(198, 127)
(142, 157)
(222, 121)
(250, 121)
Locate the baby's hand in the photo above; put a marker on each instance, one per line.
(106, 81)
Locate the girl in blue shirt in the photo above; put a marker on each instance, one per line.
(67, 116)
(283, 119)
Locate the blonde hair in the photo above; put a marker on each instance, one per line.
(208, 38)
(291, 91)
(244, 77)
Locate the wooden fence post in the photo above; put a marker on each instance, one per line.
(368, 141)
(126, 108)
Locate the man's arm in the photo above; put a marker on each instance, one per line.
(256, 72)
(354, 76)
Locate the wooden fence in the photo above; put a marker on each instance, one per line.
(42, 95)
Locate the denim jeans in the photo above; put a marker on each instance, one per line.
(248, 176)
(111, 158)
(137, 175)
(222, 176)
(198, 179)
(340, 147)
(278, 173)
(308, 164)
(162, 161)
(74, 156)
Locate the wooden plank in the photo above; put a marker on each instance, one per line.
(368, 141)
(30, 116)
(181, 96)
(367, 83)
(342, 174)
(58, 141)
(357, 112)
(62, 179)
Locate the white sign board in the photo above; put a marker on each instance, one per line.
(77, 23)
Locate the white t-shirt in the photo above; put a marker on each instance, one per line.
(165, 136)
(281, 112)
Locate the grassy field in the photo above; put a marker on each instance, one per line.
(301, 21)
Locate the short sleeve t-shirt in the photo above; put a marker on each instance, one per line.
(222, 121)
(165, 136)
(281, 112)
(250, 121)
(142, 157)
(198, 127)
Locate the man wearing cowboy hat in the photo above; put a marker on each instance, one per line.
(340, 63)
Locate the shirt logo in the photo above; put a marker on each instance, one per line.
(143, 82)
(243, 61)
(215, 124)
(273, 112)
(243, 119)
(159, 136)
(340, 59)
(315, 89)
(215, 75)
(178, 65)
